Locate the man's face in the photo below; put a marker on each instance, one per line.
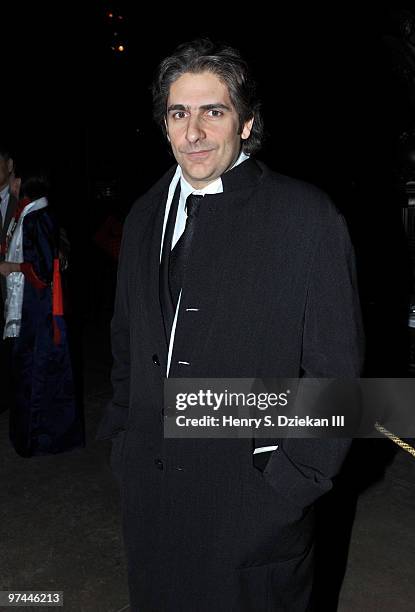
(202, 127)
(6, 166)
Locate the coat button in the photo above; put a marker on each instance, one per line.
(159, 464)
(155, 359)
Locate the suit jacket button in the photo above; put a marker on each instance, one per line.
(155, 359)
(159, 464)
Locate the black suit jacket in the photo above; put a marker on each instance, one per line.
(11, 209)
(272, 276)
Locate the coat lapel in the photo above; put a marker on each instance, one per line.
(11, 209)
(149, 286)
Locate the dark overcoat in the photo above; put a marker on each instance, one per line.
(6, 394)
(272, 277)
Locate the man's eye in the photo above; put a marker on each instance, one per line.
(179, 115)
(215, 113)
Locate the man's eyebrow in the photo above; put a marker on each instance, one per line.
(182, 107)
(219, 105)
(176, 107)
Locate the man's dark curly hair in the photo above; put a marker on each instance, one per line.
(226, 63)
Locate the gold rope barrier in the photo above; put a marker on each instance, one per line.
(406, 447)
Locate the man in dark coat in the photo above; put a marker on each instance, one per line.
(267, 290)
(8, 204)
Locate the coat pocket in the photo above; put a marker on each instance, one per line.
(281, 585)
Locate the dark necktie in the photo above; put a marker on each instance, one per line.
(180, 253)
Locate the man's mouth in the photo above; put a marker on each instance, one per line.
(198, 154)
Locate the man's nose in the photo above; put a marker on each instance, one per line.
(194, 130)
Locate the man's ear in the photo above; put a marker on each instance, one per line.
(10, 164)
(246, 131)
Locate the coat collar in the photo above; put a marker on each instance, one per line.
(241, 177)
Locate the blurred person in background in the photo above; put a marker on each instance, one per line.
(8, 203)
(46, 417)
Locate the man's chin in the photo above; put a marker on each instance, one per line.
(200, 175)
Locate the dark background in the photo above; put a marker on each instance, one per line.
(334, 100)
(338, 91)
